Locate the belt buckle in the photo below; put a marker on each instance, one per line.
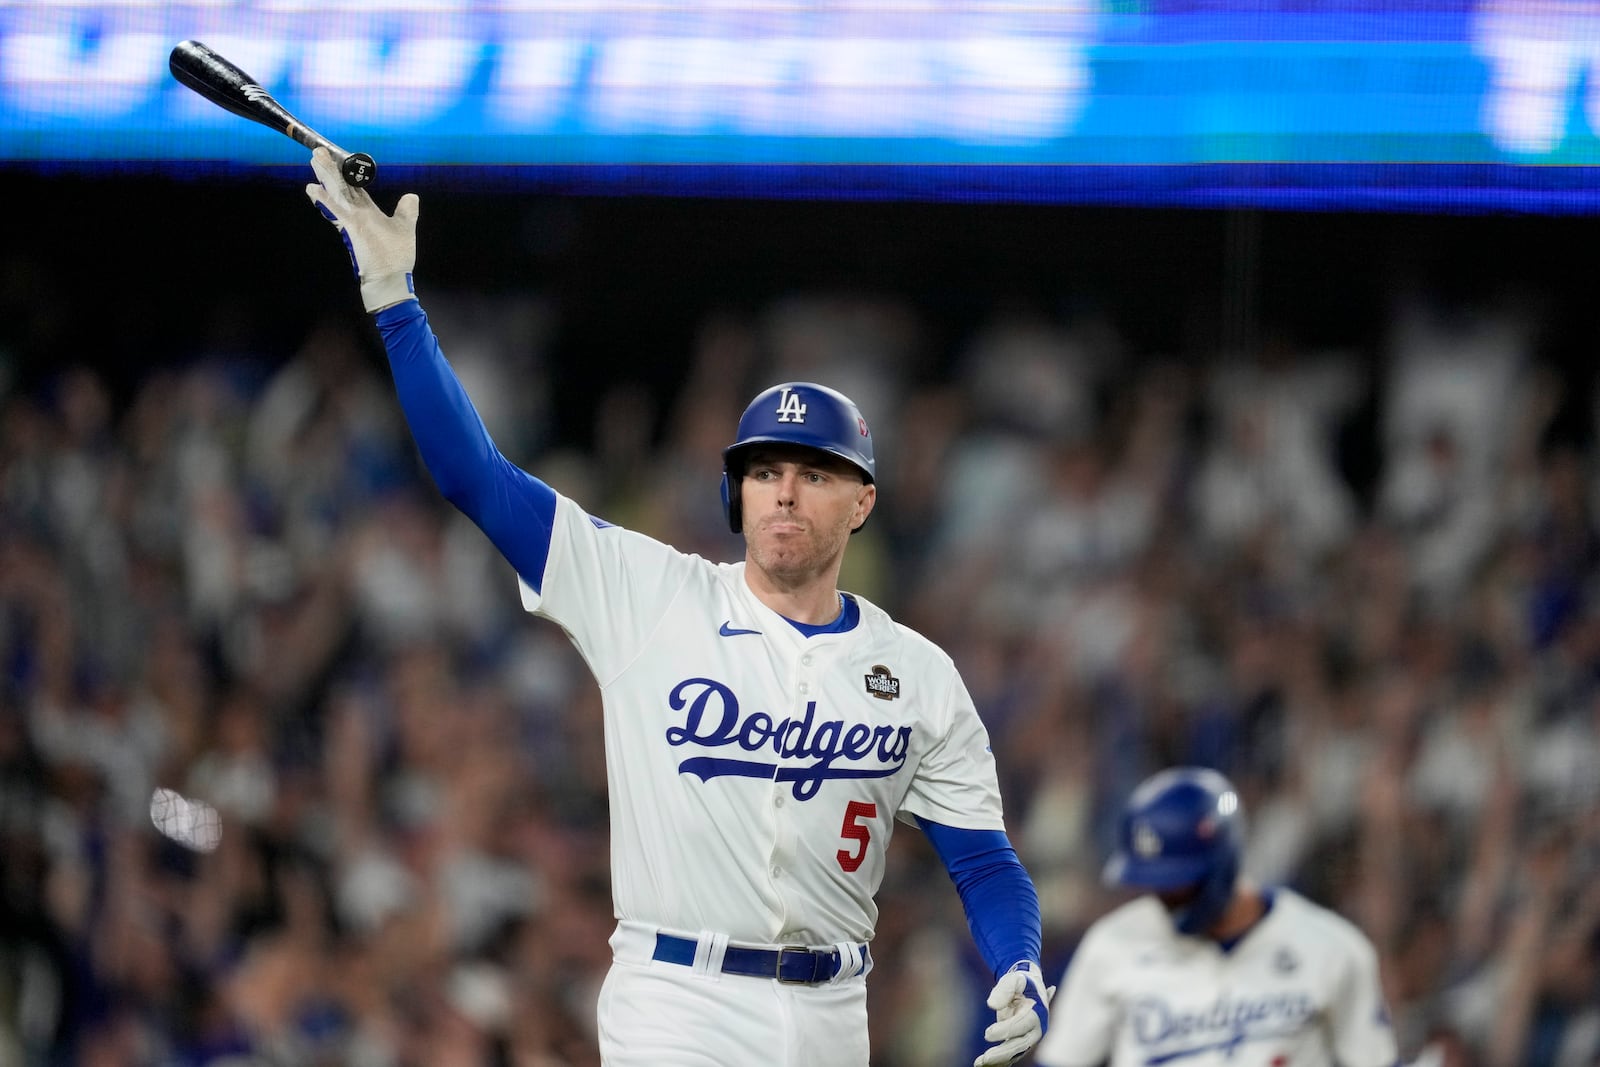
(810, 978)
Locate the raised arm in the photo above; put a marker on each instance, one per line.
(515, 509)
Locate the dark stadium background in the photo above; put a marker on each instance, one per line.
(124, 274)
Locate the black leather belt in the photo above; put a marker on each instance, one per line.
(794, 964)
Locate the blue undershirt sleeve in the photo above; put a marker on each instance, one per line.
(1001, 903)
(515, 509)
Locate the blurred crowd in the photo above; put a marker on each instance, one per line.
(1361, 584)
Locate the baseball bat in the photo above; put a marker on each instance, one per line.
(225, 85)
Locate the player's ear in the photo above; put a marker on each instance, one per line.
(865, 500)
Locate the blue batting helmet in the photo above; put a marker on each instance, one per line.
(796, 413)
(1182, 828)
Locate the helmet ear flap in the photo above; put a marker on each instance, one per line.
(730, 504)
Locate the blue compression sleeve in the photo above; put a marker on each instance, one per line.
(1001, 903)
(515, 509)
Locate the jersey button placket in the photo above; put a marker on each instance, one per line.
(784, 814)
(781, 839)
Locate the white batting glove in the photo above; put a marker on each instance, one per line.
(1021, 1004)
(383, 249)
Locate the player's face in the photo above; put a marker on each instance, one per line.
(799, 508)
(1177, 899)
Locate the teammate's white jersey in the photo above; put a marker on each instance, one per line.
(1300, 989)
(755, 774)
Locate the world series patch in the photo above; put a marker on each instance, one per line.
(882, 684)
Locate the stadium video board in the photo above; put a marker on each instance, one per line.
(1446, 105)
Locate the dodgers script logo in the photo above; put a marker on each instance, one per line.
(1223, 1025)
(714, 721)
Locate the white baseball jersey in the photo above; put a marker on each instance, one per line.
(1300, 989)
(754, 773)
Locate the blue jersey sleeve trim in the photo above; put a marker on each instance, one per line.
(515, 509)
(1001, 903)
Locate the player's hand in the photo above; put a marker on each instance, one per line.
(1021, 1004)
(383, 248)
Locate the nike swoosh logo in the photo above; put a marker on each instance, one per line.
(729, 630)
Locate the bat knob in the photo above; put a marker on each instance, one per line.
(358, 169)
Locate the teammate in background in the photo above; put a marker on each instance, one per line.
(763, 730)
(1206, 968)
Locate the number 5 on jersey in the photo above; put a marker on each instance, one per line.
(857, 830)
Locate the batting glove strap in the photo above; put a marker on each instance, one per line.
(383, 248)
(1021, 1003)
(387, 291)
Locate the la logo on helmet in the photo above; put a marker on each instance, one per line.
(790, 407)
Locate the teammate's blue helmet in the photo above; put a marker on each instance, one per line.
(1182, 828)
(796, 413)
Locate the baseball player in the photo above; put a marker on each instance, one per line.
(764, 731)
(1206, 969)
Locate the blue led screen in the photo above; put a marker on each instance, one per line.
(1453, 106)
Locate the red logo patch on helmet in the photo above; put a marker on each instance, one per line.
(863, 424)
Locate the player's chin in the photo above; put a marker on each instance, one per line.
(783, 559)
(789, 561)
